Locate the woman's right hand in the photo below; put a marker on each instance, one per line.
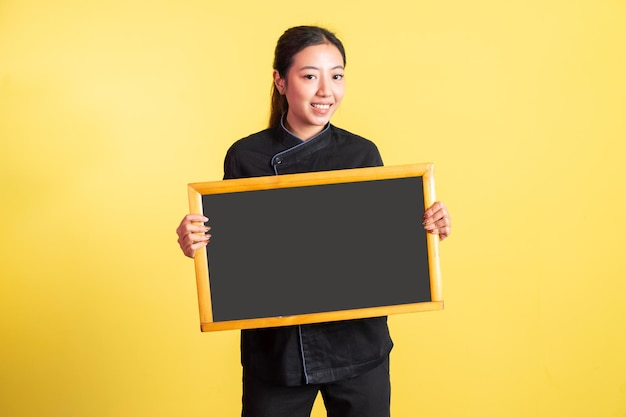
(193, 236)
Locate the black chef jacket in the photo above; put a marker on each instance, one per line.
(312, 353)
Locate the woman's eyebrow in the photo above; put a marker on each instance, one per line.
(312, 67)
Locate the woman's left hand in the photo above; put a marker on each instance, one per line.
(437, 220)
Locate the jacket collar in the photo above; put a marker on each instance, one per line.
(297, 148)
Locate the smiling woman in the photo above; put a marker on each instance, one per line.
(313, 87)
(284, 368)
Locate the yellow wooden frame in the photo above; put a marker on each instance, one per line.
(197, 190)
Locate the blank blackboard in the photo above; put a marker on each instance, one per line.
(315, 247)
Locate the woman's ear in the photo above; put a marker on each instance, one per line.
(279, 82)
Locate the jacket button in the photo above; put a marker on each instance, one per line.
(278, 161)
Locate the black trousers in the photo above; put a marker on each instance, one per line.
(367, 395)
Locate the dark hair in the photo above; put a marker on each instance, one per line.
(292, 41)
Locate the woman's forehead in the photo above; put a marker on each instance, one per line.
(325, 55)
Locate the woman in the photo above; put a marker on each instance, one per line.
(348, 361)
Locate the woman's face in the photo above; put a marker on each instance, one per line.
(314, 87)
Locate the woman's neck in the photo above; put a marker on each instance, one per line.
(303, 134)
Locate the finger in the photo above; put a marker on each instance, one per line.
(190, 250)
(435, 222)
(442, 232)
(435, 212)
(433, 228)
(432, 210)
(195, 218)
(440, 227)
(192, 223)
(190, 219)
(186, 239)
(195, 238)
(196, 229)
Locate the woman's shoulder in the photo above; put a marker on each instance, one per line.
(362, 151)
(249, 156)
(253, 139)
(350, 137)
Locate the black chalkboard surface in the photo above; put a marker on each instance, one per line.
(315, 247)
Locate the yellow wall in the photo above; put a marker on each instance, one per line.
(109, 108)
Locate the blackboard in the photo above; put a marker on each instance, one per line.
(314, 247)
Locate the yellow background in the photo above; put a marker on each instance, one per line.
(109, 108)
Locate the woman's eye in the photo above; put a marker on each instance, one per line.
(338, 76)
(309, 76)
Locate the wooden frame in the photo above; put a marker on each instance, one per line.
(277, 230)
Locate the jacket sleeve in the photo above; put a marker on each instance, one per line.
(231, 164)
